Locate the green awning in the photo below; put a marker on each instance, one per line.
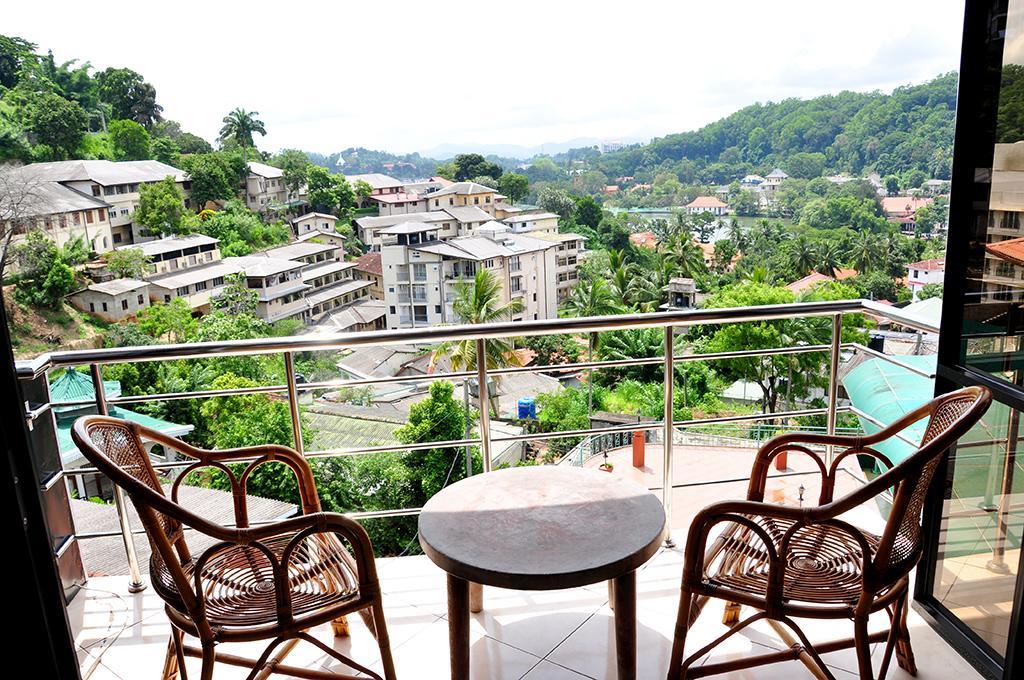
(67, 446)
(887, 392)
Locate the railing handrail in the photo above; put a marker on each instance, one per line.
(436, 334)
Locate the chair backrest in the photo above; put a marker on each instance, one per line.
(949, 417)
(115, 447)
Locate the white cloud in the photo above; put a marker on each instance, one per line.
(404, 76)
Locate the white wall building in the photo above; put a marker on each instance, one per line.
(920, 274)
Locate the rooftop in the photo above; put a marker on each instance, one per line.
(105, 173)
(468, 213)
(401, 197)
(50, 198)
(264, 170)
(1011, 250)
(530, 217)
(375, 180)
(896, 205)
(356, 314)
(192, 275)
(325, 268)
(172, 243)
(463, 189)
(408, 228)
(262, 265)
(370, 262)
(117, 286)
(706, 202)
(325, 216)
(389, 220)
(934, 264)
(337, 290)
(297, 250)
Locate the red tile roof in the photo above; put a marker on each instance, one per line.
(706, 202)
(370, 262)
(932, 265)
(644, 239)
(809, 281)
(897, 206)
(1011, 250)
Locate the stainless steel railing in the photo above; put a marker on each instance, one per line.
(480, 334)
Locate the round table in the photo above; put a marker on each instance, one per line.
(542, 528)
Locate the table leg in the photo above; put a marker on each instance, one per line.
(624, 597)
(476, 598)
(458, 626)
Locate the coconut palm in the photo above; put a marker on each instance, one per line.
(737, 234)
(239, 125)
(759, 274)
(686, 257)
(591, 297)
(802, 254)
(828, 258)
(864, 252)
(479, 301)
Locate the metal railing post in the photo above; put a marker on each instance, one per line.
(667, 448)
(833, 377)
(136, 584)
(485, 413)
(293, 400)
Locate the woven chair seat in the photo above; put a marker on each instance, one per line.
(824, 564)
(238, 580)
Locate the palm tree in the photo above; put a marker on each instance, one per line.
(591, 297)
(479, 301)
(239, 125)
(828, 258)
(686, 258)
(803, 254)
(759, 274)
(737, 235)
(864, 252)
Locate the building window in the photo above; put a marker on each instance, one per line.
(142, 300)
(96, 191)
(111, 214)
(104, 306)
(88, 216)
(92, 306)
(124, 304)
(117, 237)
(183, 290)
(476, 200)
(201, 285)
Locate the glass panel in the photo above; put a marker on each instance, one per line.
(979, 545)
(993, 317)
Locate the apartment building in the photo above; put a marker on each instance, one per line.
(332, 286)
(314, 223)
(570, 249)
(115, 185)
(175, 253)
(531, 223)
(398, 204)
(421, 272)
(368, 268)
(278, 283)
(197, 285)
(1003, 276)
(380, 184)
(264, 187)
(112, 301)
(449, 223)
(465, 194)
(63, 213)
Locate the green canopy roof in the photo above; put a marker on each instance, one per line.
(71, 385)
(886, 392)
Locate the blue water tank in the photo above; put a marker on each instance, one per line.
(527, 408)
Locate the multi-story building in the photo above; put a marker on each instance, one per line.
(314, 222)
(920, 274)
(175, 253)
(707, 204)
(305, 252)
(464, 194)
(450, 223)
(422, 272)
(264, 187)
(278, 283)
(380, 184)
(1003, 276)
(368, 268)
(399, 203)
(115, 185)
(197, 285)
(118, 300)
(63, 213)
(569, 252)
(531, 222)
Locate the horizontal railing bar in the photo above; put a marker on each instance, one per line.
(892, 360)
(895, 314)
(434, 334)
(871, 419)
(331, 384)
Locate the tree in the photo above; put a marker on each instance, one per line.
(211, 177)
(293, 164)
(470, 165)
(239, 230)
(476, 302)
(172, 320)
(165, 150)
(235, 297)
(127, 263)
(591, 297)
(15, 53)
(56, 122)
(514, 186)
(44, 272)
(930, 290)
(557, 201)
(239, 126)
(191, 143)
(588, 212)
(129, 139)
(161, 207)
(552, 349)
(129, 96)
(864, 253)
(330, 193)
(21, 201)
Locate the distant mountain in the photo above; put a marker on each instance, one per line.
(446, 151)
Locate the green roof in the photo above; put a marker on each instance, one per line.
(72, 385)
(173, 429)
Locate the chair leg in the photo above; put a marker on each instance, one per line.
(904, 652)
(862, 645)
(380, 629)
(209, 658)
(683, 620)
(731, 615)
(340, 626)
(171, 669)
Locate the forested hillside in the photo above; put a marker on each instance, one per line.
(912, 128)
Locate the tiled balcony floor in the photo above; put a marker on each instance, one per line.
(558, 634)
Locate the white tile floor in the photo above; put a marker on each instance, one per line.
(559, 634)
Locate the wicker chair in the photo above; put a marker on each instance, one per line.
(786, 562)
(271, 582)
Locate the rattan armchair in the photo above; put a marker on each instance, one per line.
(271, 582)
(786, 562)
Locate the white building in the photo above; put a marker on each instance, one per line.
(64, 214)
(314, 222)
(569, 253)
(535, 222)
(920, 274)
(264, 187)
(113, 301)
(175, 253)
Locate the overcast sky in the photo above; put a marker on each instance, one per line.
(407, 76)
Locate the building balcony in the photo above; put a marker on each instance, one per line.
(568, 633)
